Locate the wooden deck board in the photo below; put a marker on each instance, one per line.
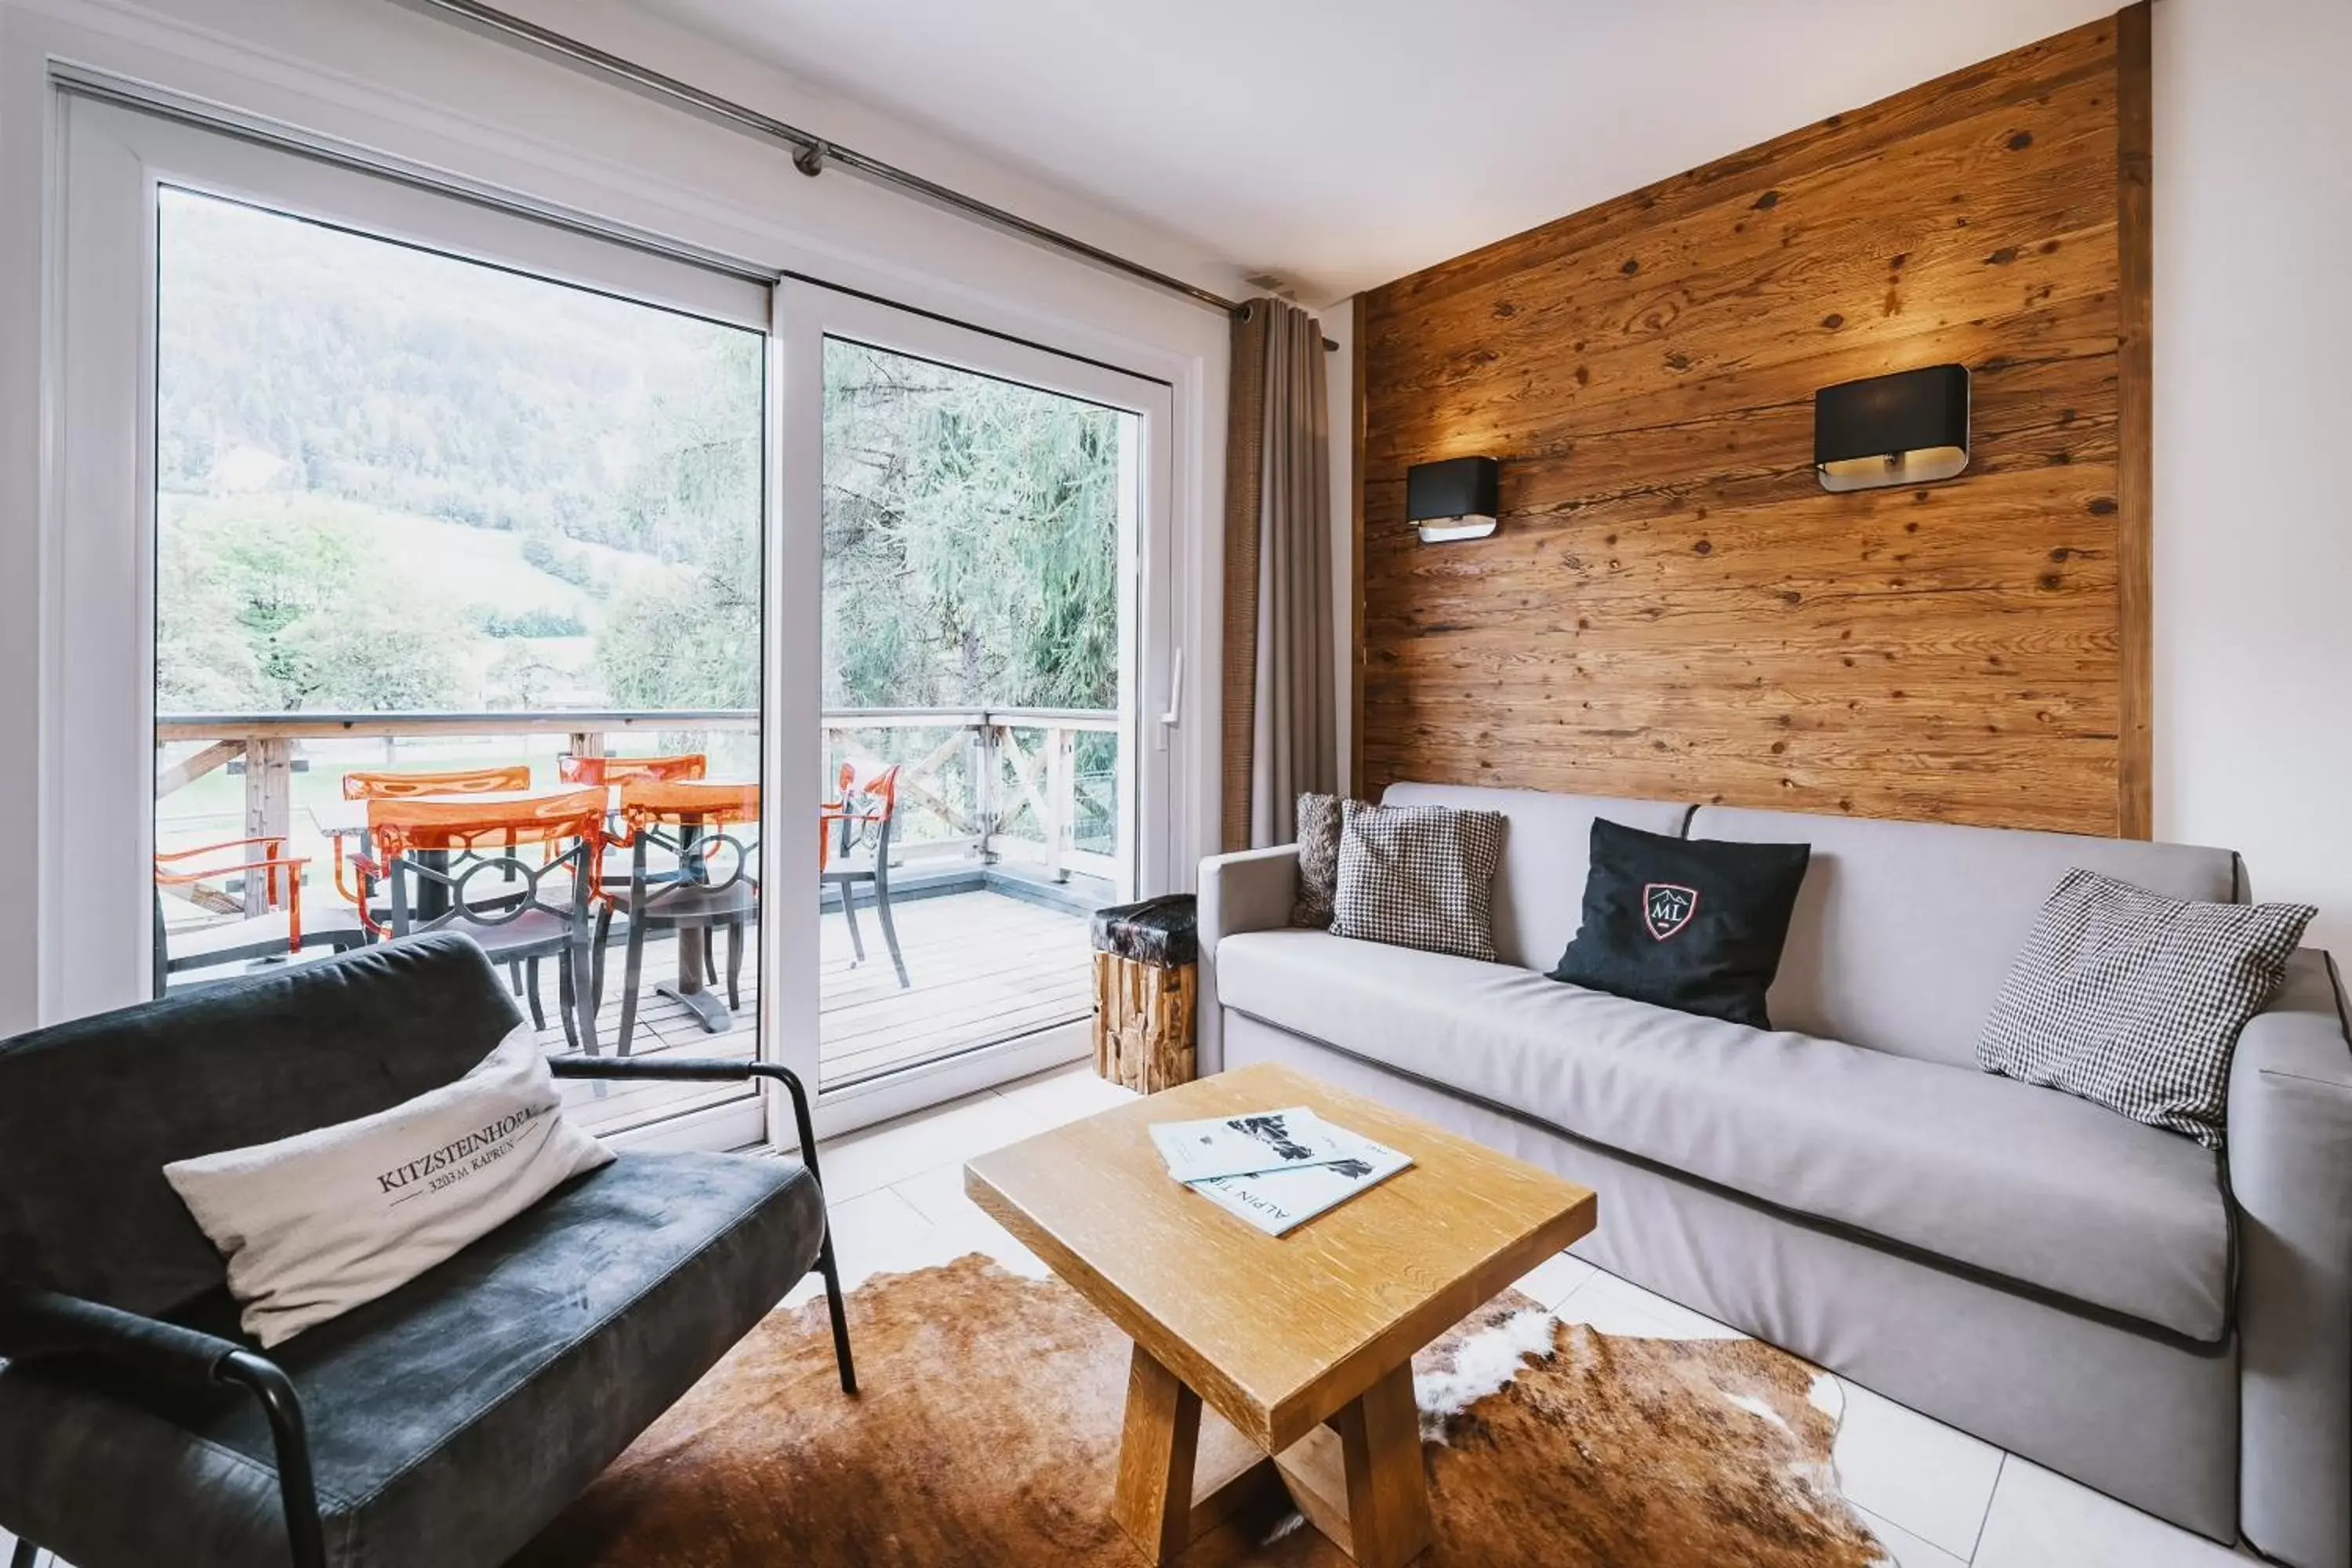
(981, 967)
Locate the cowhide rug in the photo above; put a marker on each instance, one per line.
(988, 1430)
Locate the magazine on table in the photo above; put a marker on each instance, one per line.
(1246, 1144)
(1277, 1201)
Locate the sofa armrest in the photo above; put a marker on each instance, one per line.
(2289, 1168)
(44, 1325)
(37, 1325)
(702, 1070)
(1250, 889)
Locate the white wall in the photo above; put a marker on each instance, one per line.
(388, 77)
(2253, 421)
(21, 162)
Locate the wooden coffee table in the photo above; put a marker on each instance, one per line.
(1304, 1341)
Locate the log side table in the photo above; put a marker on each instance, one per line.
(1146, 980)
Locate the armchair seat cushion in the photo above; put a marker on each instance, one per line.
(450, 1419)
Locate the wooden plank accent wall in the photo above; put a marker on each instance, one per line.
(1673, 608)
(2136, 427)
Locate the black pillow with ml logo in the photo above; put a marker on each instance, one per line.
(1695, 924)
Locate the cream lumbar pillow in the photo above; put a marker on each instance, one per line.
(314, 1225)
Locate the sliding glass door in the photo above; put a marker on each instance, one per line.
(398, 523)
(988, 597)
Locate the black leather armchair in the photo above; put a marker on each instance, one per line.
(445, 1423)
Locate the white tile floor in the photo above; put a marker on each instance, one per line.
(1934, 1495)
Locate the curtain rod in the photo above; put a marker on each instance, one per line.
(813, 154)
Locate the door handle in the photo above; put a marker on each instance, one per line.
(1175, 692)
(1173, 714)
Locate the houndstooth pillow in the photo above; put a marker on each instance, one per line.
(1419, 876)
(2133, 1000)
(1319, 861)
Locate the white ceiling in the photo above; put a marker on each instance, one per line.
(1340, 143)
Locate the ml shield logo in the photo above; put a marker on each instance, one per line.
(1667, 907)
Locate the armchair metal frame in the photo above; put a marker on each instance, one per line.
(709, 1069)
(37, 1325)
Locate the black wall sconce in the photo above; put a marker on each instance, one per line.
(1902, 429)
(1452, 499)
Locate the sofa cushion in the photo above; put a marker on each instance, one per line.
(1318, 860)
(313, 1225)
(2028, 1184)
(1546, 838)
(452, 1418)
(1905, 929)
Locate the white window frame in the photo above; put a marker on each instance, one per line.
(96, 698)
(389, 87)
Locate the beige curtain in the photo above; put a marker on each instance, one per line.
(1281, 717)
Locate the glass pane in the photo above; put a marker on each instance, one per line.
(505, 531)
(975, 533)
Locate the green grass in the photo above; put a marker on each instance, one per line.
(476, 565)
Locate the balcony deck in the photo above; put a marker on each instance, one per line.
(999, 793)
(983, 966)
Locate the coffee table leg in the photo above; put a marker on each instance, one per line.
(1359, 1479)
(1360, 1482)
(1387, 1491)
(1154, 1502)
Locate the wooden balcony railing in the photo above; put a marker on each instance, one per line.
(996, 784)
(986, 789)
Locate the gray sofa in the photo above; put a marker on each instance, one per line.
(2169, 1325)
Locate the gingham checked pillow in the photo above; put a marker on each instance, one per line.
(1419, 876)
(2133, 1000)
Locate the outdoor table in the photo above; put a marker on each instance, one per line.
(691, 805)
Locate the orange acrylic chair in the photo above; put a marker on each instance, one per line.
(394, 784)
(712, 881)
(684, 766)
(864, 813)
(438, 844)
(274, 934)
